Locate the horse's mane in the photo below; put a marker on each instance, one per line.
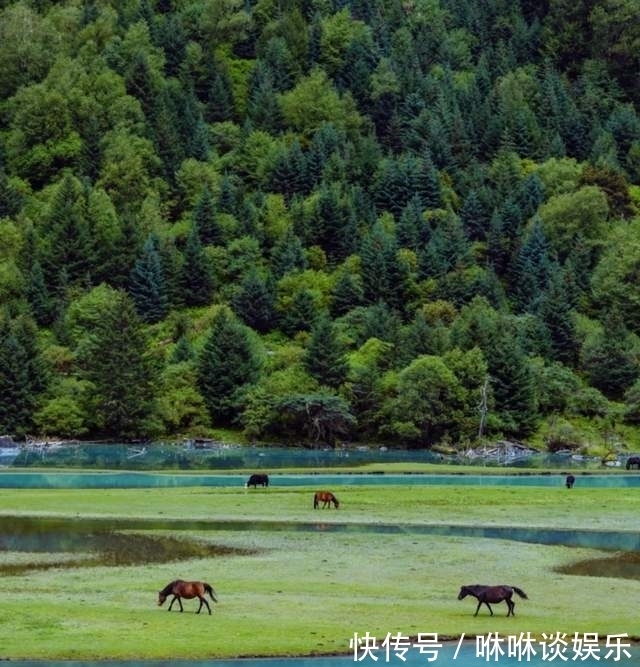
(169, 587)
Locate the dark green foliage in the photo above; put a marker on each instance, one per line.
(287, 255)
(427, 199)
(324, 358)
(254, 303)
(122, 373)
(204, 218)
(195, 281)
(608, 361)
(322, 418)
(147, 284)
(228, 363)
(22, 375)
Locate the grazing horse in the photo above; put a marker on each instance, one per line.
(633, 461)
(188, 590)
(257, 480)
(570, 481)
(326, 498)
(493, 594)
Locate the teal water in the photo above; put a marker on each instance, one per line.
(133, 479)
(448, 655)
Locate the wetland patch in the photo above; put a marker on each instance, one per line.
(55, 543)
(624, 565)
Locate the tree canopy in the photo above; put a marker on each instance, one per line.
(318, 221)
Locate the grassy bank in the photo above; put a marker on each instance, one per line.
(303, 592)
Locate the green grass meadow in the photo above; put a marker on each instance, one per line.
(304, 592)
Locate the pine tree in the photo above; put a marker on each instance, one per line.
(67, 241)
(205, 220)
(227, 364)
(288, 255)
(122, 373)
(22, 375)
(347, 294)
(254, 303)
(324, 358)
(147, 284)
(195, 280)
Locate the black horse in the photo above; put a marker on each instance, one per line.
(493, 594)
(570, 481)
(633, 461)
(258, 479)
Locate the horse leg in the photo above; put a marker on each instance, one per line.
(175, 597)
(478, 607)
(511, 604)
(206, 604)
(487, 605)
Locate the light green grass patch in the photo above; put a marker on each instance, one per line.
(308, 591)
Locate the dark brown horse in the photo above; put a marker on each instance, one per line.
(326, 498)
(188, 590)
(493, 594)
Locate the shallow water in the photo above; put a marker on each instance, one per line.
(128, 480)
(448, 655)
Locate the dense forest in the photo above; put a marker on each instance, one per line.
(314, 221)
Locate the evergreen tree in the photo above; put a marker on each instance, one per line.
(288, 255)
(558, 318)
(66, 240)
(512, 383)
(147, 284)
(123, 375)
(228, 364)
(195, 280)
(300, 315)
(608, 360)
(347, 294)
(324, 358)
(254, 303)
(205, 220)
(475, 217)
(22, 375)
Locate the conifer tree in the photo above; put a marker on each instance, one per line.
(205, 220)
(122, 373)
(254, 303)
(288, 254)
(195, 280)
(22, 375)
(228, 363)
(147, 284)
(324, 358)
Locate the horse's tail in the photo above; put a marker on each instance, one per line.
(520, 592)
(211, 592)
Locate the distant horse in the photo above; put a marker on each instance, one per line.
(493, 594)
(326, 498)
(633, 461)
(570, 481)
(257, 480)
(188, 590)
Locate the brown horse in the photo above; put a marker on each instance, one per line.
(326, 498)
(188, 590)
(493, 594)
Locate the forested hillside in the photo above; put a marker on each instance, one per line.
(403, 221)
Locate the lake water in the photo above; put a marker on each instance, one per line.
(133, 479)
(469, 654)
